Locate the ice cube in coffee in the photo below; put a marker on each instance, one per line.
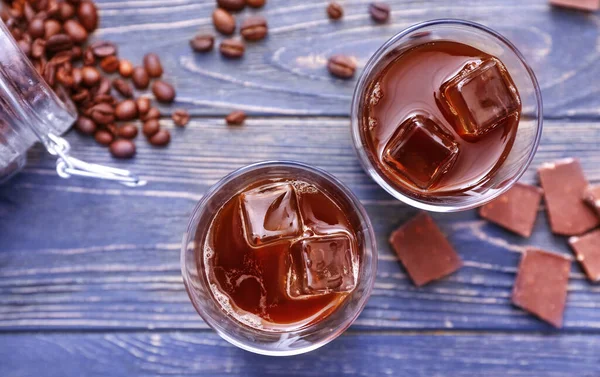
(283, 254)
(404, 153)
(481, 96)
(270, 214)
(321, 265)
(439, 117)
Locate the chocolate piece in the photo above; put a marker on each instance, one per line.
(590, 5)
(587, 252)
(592, 197)
(515, 210)
(564, 184)
(541, 285)
(424, 250)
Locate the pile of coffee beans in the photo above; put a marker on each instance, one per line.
(54, 35)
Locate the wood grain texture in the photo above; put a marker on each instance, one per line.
(205, 354)
(78, 254)
(286, 74)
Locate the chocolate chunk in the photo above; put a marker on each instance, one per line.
(564, 185)
(587, 252)
(541, 285)
(590, 5)
(515, 210)
(424, 250)
(591, 196)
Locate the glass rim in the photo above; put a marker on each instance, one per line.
(214, 323)
(357, 138)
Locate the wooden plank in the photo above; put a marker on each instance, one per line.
(78, 254)
(286, 74)
(176, 354)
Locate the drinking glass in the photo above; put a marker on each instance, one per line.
(275, 342)
(529, 129)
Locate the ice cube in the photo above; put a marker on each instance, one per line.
(270, 214)
(321, 265)
(481, 96)
(420, 151)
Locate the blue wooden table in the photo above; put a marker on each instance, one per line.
(90, 281)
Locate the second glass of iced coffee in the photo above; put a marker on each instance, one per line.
(279, 258)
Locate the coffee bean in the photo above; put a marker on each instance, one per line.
(74, 30)
(88, 15)
(224, 22)
(37, 48)
(380, 12)
(255, 3)
(16, 33)
(341, 66)
(49, 74)
(80, 96)
(236, 118)
(254, 28)
(232, 48)
(77, 76)
(103, 137)
(127, 131)
(161, 138)
(51, 28)
(90, 76)
(105, 98)
(103, 87)
(181, 117)
(231, 5)
(27, 38)
(64, 78)
(76, 52)
(88, 57)
(163, 91)
(126, 110)
(36, 28)
(25, 47)
(85, 125)
(53, 9)
(153, 65)
(140, 78)
(61, 58)
(28, 12)
(202, 43)
(125, 68)
(150, 127)
(122, 148)
(110, 64)
(335, 11)
(102, 49)
(143, 105)
(58, 42)
(123, 87)
(153, 113)
(102, 113)
(65, 11)
(39, 5)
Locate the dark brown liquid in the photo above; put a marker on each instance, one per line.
(440, 117)
(256, 243)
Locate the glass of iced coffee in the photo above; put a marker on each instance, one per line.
(279, 258)
(447, 115)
